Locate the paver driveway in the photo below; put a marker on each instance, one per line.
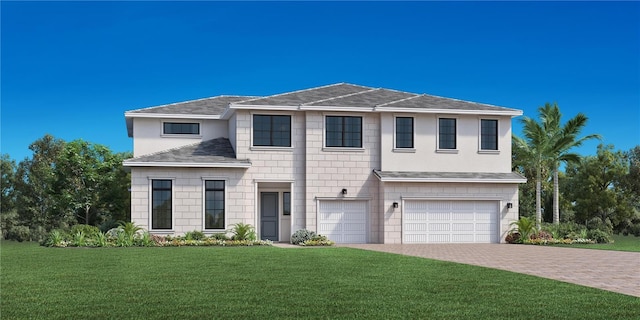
(604, 269)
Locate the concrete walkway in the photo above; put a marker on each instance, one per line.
(615, 271)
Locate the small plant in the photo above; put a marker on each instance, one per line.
(243, 231)
(301, 236)
(194, 235)
(78, 239)
(513, 237)
(100, 240)
(317, 240)
(525, 226)
(55, 239)
(145, 240)
(219, 236)
(87, 230)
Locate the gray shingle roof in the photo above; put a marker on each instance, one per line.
(308, 96)
(425, 101)
(369, 98)
(206, 106)
(399, 176)
(215, 151)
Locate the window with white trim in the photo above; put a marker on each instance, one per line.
(187, 128)
(447, 133)
(488, 134)
(214, 204)
(286, 203)
(271, 130)
(343, 131)
(404, 132)
(162, 206)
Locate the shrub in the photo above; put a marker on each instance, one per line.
(541, 235)
(78, 239)
(56, 238)
(317, 240)
(243, 231)
(18, 233)
(195, 235)
(600, 236)
(525, 226)
(87, 230)
(301, 236)
(145, 240)
(513, 237)
(38, 233)
(100, 240)
(219, 236)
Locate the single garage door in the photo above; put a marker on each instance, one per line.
(459, 221)
(343, 221)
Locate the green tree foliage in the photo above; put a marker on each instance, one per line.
(545, 145)
(597, 188)
(61, 185)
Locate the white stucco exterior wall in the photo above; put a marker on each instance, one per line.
(148, 137)
(426, 156)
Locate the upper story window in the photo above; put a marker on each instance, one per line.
(271, 130)
(343, 131)
(180, 128)
(447, 133)
(161, 210)
(404, 132)
(488, 134)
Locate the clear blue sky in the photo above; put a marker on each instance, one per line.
(72, 69)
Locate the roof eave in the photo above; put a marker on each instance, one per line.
(506, 112)
(172, 115)
(187, 164)
(452, 180)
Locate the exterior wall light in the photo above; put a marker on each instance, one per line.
(509, 205)
(344, 191)
(395, 205)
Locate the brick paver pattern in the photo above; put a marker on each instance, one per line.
(615, 271)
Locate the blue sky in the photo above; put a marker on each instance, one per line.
(72, 69)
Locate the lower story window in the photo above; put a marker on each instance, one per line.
(286, 203)
(161, 212)
(214, 204)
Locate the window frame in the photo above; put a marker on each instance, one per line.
(455, 135)
(497, 136)
(204, 204)
(151, 203)
(342, 147)
(271, 147)
(286, 212)
(180, 135)
(395, 134)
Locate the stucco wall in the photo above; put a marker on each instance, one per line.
(148, 136)
(188, 196)
(426, 157)
(329, 170)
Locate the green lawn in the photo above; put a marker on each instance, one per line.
(270, 283)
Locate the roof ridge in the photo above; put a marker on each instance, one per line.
(401, 100)
(174, 148)
(342, 96)
(194, 100)
(302, 90)
(465, 101)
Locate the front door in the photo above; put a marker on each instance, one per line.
(269, 216)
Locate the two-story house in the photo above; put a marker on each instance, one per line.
(357, 164)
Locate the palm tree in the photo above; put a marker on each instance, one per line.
(533, 149)
(546, 144)
(561, 140)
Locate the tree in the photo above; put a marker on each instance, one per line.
(533, 153)
(561, 140)
(7, 181)
(595, 186)
(91, 183)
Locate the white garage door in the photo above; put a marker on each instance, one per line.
(343, 221)
(429, 221)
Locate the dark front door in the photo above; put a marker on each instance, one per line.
(269, 216)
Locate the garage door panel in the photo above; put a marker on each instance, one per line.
(462, 227)
(458, 221)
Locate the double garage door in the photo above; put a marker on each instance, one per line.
(459, 221)
(343, 221)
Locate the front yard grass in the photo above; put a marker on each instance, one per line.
(269, 283)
